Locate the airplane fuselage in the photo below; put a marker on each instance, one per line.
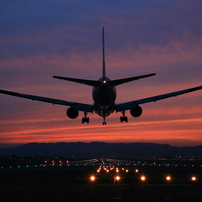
(104, 96)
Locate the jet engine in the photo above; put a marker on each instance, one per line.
(71, 113)
(136, 111)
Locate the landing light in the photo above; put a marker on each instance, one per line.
(104, 81)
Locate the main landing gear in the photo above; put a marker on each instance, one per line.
(85, 119)
(123, 118)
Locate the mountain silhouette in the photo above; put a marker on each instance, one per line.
(102, 149)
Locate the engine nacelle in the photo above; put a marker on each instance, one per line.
(71, 113)
(136, 111)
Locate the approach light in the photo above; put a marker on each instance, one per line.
(136, 170)
(142, 178)
(168, 178)
(193, 178)
(92, 178)
(117, 178)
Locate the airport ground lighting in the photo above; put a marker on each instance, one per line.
(143, 178)
(168, 178)
(92, 178)
(117, 178)
(193, 178)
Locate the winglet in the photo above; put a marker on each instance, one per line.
(103, 54)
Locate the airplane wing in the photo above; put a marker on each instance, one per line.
(125, 80)
(75, 105)
(129, 105)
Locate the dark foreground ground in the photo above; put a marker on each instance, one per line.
(72, 184)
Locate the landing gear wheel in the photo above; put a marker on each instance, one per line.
(85, 119)
(123, 118)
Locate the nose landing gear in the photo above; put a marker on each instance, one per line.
(123, 118)
(104, 122)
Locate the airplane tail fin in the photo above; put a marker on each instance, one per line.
(84, 81)
(103, 54)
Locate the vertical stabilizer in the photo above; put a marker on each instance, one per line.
(103, 54)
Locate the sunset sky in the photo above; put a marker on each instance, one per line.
(42, 38)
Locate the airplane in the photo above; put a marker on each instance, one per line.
(104, 96)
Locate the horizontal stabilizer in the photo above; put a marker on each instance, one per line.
(82, 81)
(122, 81)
